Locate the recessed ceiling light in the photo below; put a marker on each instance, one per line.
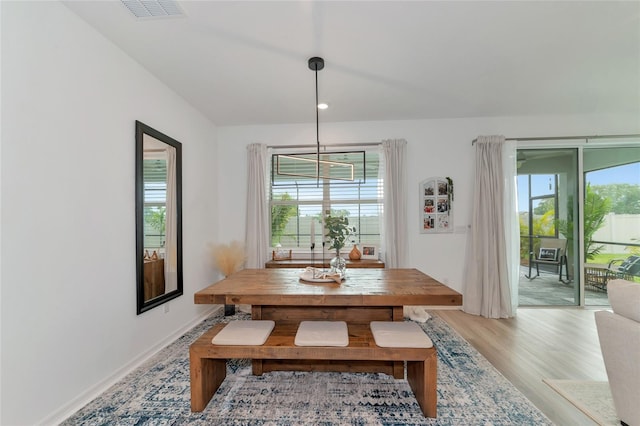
(323, 106)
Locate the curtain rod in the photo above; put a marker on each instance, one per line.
(339, 145)
(549, 138)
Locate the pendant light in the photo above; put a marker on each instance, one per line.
(316, 64)
(286, 164)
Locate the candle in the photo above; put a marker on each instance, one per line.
(313, 231)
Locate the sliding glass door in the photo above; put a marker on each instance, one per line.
(611, 217)
(582, 202)
(547, 202)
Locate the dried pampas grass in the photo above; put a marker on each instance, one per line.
(229, 258)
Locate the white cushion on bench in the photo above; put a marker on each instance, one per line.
(397, 334)
(250, 332)
(322, 333)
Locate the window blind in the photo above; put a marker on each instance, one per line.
(297, 197)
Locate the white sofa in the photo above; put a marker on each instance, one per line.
(619, 335)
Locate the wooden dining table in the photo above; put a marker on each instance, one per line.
(365, 295)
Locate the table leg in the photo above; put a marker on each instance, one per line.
(256, 312)
(398, 313)
(256, 365)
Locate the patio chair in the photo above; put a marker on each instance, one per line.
(552, 251)
(598, 275)
(625, 269)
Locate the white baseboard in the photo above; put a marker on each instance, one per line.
(90, 394)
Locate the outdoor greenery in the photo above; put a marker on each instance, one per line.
(280, 215)
(155, 217)
(625, 197)
(596, 208)
(544, 206)
(542, 225)
(605, 258)
(598, 203)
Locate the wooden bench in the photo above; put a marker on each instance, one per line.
(208, 361)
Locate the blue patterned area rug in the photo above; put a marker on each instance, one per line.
(470, 392)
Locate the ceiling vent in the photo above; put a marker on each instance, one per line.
(153, 8)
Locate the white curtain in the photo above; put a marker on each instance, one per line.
(512, 221)
(257, 226)
(171, 234)
(488, 271)
(394, 232)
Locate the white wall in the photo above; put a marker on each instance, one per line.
(435, 148)
(69, 102)
(68, 315)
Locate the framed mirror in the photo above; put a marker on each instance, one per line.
(158, 218)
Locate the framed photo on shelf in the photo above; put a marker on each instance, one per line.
(369, 252)
(436, 198)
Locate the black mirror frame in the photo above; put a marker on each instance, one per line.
(141, 305)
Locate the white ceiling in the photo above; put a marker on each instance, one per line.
(242, 62)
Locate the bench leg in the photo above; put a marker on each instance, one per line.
(256, 367)
(422, 377)
(206, 377)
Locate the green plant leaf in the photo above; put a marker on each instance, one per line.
(338, 231)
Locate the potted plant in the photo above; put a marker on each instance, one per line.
(338, 232)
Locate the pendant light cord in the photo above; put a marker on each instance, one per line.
(317, 135)
(316, 64)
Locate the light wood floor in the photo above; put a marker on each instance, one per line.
(539, 343)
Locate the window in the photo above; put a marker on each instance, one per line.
(538, 205)
(297, 196)
(155, 198)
